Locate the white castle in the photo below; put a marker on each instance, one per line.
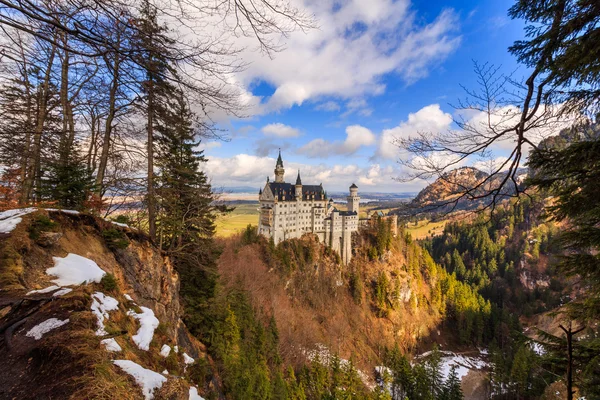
(288, 211)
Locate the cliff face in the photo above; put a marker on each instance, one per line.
(50, 329)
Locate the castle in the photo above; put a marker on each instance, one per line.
(288, 211)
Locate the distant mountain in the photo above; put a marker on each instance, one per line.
(449, 186)
(445, 193)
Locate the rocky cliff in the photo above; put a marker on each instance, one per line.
(89, 309)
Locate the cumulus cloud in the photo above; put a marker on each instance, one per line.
(358, 42)
(250, 170)
(280, 130)
(356, 137)
(428, 119)
(328, 106)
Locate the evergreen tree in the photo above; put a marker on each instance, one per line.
(153, 53)
(452, 389)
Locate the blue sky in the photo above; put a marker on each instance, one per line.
(335, 98)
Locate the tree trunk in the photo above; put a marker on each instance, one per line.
(68, 128)
(112, 101)
(34, 166)
(569, 333)
(151, 194)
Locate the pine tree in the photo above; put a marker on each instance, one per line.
(452, 389)
(154, 56)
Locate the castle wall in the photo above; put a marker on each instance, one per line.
(291, 218)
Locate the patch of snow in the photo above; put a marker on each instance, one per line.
(484, 352)
(194, 394)
(148, 380)
(463, 363)
(128, 297)
(73, 212)
(45, 290)
(120, 224)
(40, 329)
(62, 292)
(165, 351)
(101, 305)
(148, 323)
(165, 372)
(11, 218)
(537, 348)
(74, 270)
(187, 359)
(176, 349)
(111, 345)
(325, 357)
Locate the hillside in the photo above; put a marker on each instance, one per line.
(391, 295)
(103, 323)
(448, 193)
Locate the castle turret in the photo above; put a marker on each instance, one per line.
(298, 187)
(279, 171)
(353, 199)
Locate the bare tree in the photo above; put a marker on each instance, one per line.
(502, 112)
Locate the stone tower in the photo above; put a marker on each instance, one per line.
(279, 171)
(353, 199)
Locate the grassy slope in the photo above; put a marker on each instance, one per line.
(425, 228)
(238, 219)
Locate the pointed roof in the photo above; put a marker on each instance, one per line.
(259, 192)
(353, 186)
(279, 160)
(298, 180)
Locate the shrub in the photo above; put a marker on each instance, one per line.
(115, 239)
(109, 282)
(41, 223)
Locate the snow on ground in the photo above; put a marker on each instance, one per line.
(120, 224)
(148, 323)
(147, 379)
(11, 218)
(101, 305)
(176, 349)
(74, 270)
(463, 363)
(40, 329)
(325, 357)
(128, 297)
(62, 292)
(187, 359)
(111, 345)
(194, 394)
(45, 290)
(74, 212)
(165, 372)
(165, 350)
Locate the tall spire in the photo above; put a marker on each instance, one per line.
(298, 180)
(279, 171)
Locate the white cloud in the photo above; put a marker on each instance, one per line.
(356, 137)
(428, 119)
(357, 43)
(249, 170)
(280, 130)
(328, 106)
(491, 165)
(204, 146)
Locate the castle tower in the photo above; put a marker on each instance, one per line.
(353, 199)
(279, 171)
(298, 187)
